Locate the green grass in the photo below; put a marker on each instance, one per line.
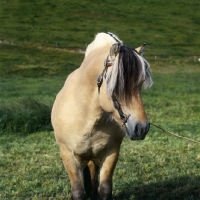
(25, 116)
(160, 167)
(35, 170)
(39, 41)
(30, 80)
(169, 28)
(29, 61)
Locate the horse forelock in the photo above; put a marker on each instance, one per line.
(129, 71)
(101, 40)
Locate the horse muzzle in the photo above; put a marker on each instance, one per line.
(137, 130)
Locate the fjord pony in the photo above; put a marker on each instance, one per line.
(90, 122)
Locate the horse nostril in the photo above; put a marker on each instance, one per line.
(138, 130)
(141, 130)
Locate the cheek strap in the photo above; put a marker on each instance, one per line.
(107, 64)
(123, 117)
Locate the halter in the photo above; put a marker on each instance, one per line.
(123, 117)
(103, 73)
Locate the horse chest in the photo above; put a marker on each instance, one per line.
(93, 145)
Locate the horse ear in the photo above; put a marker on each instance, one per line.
(114, 50)
(141, 49)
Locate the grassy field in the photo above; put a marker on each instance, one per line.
(40, 44)
(169, 28)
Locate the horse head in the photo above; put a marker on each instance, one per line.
(125, 73)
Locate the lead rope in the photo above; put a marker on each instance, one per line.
(178, 136)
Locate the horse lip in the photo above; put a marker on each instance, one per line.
(137, 138)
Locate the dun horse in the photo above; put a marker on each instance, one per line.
(99, 103)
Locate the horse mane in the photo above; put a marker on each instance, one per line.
(101, 40)
(129, 71)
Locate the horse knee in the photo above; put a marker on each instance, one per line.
(105, 191)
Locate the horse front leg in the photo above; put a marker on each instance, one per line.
(106, 173)
(74, 169)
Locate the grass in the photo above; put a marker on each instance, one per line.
(29, 84)
(160, 167)
(27, 164)
(39, 45)
(170, 28)
(28, 61)
(25, 116)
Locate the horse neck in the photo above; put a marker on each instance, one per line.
(88, 72)
(93, 64)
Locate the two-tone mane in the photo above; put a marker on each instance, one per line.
(128, 72)
(101, 40)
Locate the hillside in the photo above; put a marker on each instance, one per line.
(168, 27)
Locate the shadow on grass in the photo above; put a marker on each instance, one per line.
(187, 187)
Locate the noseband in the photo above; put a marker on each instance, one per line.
(123, 117)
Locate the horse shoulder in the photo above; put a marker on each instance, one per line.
(64, 106)
(73, 112)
